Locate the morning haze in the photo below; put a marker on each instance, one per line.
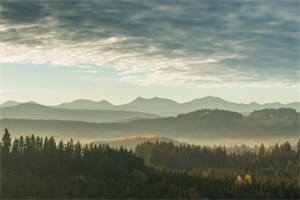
(149, 99)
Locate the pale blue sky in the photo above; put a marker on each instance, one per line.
(50, 84)
(57, 51)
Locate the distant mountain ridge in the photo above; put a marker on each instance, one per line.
(168, 107)
(11, 103)
(37, 111)
(200, 124)
(86, 104)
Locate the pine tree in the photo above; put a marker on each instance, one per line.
(298, 149)
(6, 143)
(262, 151)
(16, 147)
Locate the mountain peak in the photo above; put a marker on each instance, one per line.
(140, 98)
(105, 102)
(30, 105)
(253, 103)
(32, 102)
(86, 104)
(153, 100)
(82, 101)
(9, 103)
(211, 98)
(208, 99)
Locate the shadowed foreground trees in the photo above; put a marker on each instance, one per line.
(35, 167)
(274, 173)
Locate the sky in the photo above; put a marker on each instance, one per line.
(58, 51)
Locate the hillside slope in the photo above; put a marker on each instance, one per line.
(36, 111)
(199, 124)
(168, 107)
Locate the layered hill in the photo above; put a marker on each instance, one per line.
(14, 103)
(9, 103)
(36, 111)
(206, 123)
(85, 104)
(165, 107)
(168, 107)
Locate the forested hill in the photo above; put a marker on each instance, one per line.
(281, 113)
(39, 168)
(205, 123)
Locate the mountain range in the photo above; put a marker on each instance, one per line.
(37, 111)
(167, 107)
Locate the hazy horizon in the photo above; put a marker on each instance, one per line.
(240, 51)
(245, 146)
(146, 97)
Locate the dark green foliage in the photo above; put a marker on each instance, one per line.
(43, 169)
(190, 157)
(275, 173)
(6, 142)
(281, 113)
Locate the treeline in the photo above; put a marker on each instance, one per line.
(41, 168)
(221, 123)
(194, 156)
(275, 172)
(206, 123)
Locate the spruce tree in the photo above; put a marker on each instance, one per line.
(6, 142)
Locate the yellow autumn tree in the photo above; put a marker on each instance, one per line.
(239, 180)
(248, 179)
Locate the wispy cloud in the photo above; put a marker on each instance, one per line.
(197, 43)
(90, 71)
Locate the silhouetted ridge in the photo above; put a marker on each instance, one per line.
(168, 107)
(211, 114)
(37, 111)
(275, 113)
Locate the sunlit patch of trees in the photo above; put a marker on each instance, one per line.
(35, 167)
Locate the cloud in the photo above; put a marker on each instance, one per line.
(193, 43)
(90, 71)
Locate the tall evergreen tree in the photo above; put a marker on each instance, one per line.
(6, 142)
